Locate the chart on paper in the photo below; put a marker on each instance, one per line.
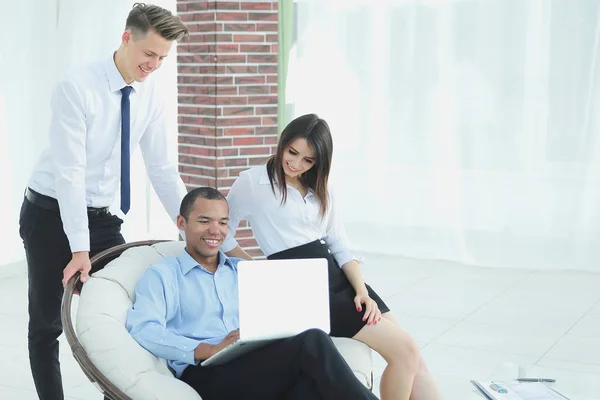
(514, 390)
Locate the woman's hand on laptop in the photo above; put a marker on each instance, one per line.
(205, 351)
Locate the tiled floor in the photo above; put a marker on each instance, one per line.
(471, 322)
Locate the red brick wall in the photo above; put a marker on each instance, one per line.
(227, 92)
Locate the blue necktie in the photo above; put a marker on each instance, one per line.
(125, 150)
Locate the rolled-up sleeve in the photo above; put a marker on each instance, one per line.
(147, 320)
(336, 238)
(238, 199)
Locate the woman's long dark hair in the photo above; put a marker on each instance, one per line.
(317, 134)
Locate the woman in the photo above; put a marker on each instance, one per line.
(292, 214)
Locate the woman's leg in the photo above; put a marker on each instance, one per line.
(400, 352)
(424, 387)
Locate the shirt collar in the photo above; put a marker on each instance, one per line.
(188, 263)
(264, 180)
(115, 80)
(264, 176)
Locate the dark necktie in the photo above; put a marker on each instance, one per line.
(125, 150)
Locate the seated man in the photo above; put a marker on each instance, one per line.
(186, 310)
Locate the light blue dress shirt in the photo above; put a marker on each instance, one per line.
(179, 305)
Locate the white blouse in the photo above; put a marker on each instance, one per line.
(279, 227)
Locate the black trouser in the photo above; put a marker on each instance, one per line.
(304, 367)
(48, 253)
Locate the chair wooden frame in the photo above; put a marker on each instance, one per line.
(98, 262)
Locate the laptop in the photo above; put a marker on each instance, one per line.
(277, 299)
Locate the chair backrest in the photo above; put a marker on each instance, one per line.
(106, 352)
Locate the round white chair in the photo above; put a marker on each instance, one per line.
(119, 367)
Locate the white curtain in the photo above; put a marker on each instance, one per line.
(464, 130)
(40, 39)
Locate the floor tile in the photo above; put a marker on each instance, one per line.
(502, 338)
(569, 365)
(16, 334)
(498, 313)
(554, 290)
(595, 310)
(13, 296)
(86, 391)
(585, 350)
(14, 393)
(588, 326)
(14, 269)
(16, 372)
(465, 363)
(425, 329)
(454, 294)
(424, 302)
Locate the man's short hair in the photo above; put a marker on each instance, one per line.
(208, 193)
(145, 17)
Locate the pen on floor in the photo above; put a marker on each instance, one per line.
(536, 380)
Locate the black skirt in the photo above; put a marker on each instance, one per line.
(345, 320)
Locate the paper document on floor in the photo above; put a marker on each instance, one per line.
(514, 390)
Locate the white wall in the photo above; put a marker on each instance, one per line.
(464, 130)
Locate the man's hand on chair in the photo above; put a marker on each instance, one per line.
(79, 262)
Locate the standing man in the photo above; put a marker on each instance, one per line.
(100, 113)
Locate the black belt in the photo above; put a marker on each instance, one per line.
(50, 203)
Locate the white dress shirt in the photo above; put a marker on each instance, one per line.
(279, 227)
(82, 166)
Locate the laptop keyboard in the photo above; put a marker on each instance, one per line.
(229, 345)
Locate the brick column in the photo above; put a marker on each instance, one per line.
(227, 84)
